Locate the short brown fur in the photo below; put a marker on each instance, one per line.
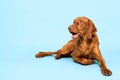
(84, 48)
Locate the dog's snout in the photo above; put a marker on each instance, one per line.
(70, 27)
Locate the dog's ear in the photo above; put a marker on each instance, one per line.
(92, 30)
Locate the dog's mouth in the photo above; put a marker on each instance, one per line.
(74, 35)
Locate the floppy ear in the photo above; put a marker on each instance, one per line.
(92, 30)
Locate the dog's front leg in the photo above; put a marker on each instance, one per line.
(99, 58)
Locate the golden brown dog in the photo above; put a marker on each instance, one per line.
(84, 47)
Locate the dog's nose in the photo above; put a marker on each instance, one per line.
(70, 27)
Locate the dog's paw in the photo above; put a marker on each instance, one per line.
(58, 56)
(106, 72)
(38, 55)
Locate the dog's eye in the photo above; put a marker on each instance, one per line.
(77, 23)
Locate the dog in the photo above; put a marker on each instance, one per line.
(84, 46)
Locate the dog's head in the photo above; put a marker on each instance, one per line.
(82, 27)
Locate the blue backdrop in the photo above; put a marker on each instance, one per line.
(30, 26)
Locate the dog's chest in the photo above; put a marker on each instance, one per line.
(84, 47)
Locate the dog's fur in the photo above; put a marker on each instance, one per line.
(84, 47)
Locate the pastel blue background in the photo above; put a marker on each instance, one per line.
(30, 26)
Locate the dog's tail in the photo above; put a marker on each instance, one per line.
(42, 54)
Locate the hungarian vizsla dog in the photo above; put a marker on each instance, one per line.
(84, 46)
